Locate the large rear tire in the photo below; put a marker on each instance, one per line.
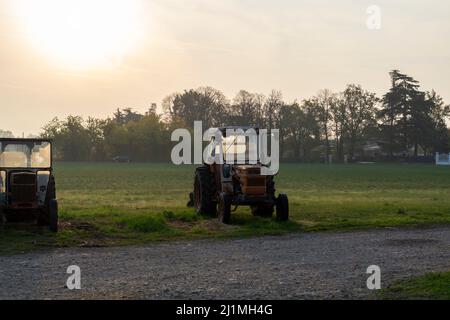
(204, 190)
(49, 215)
(2, 219)
(282, 207)
(53, 215)
(224, 208)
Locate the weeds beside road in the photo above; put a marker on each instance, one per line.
(434, 286)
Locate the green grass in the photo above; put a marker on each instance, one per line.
(107, 204)
(433, 286)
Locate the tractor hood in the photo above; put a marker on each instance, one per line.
(249, 169)
(250, 179)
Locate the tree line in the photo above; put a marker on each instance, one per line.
(350, 125)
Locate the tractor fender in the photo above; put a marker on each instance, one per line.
(42, 185)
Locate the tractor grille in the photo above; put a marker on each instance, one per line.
(256, 181)
(253, 185)
(23, 189)
(253, 171)
(24, 179)
(251, 180)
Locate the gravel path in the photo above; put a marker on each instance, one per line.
(300, 266)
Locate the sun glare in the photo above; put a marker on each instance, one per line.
(82, 33)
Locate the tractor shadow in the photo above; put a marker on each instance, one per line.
(246, 223)
(21, 237)
(27, 236)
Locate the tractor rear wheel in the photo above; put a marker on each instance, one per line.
(224, 208)
(282, 207)
(265, 211)
(204, 192)
(53, 215)
(49, 215)
(2, 219)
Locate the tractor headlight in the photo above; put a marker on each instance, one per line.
(226, 170)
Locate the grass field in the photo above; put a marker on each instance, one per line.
(105, 204)
(432, 286)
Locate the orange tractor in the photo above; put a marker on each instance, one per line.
(219, 186)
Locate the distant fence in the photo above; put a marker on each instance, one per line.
(442, 159)
(357, 159)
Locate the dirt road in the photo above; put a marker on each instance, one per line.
(300, 266)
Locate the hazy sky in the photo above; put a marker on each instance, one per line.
(89, 57)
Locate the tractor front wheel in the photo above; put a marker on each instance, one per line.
(282, 207)
(224, 208)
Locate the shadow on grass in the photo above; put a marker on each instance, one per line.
(250, 225)
(25, 237)
(128, 228)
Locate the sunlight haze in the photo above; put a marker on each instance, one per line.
(80, 57)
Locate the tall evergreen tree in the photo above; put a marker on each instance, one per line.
(401, 113)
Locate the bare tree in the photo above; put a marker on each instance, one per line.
(358, 115)
(272, 107)
(322, 105)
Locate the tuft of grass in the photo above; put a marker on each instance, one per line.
(144, 223)
(183, 216)
(432, 286)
